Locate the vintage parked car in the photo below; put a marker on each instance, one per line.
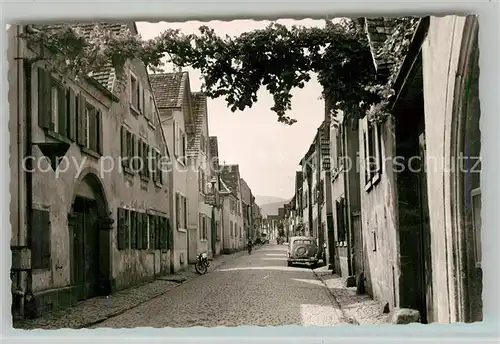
(303, 250)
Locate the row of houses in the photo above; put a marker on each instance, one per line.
(114, 182)
(396, 205)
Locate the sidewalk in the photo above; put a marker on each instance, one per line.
(90, 312)
(357, 309)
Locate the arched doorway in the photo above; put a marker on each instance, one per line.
(89, 230)
(466, 196)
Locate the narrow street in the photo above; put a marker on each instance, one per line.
(257, 289)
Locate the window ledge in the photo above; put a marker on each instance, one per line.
(128, 171)
(134, 110)
(91, 153)
(182, 230)
(57, 136)
(150, 123)
(203, 240)
(159, 185)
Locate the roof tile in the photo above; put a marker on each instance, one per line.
(107, 75)
(199, 113)
(168, 88)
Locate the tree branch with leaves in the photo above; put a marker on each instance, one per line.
(235, 68)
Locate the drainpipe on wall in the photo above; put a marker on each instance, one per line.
(21, 148)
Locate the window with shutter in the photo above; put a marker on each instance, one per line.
(139, 229)
(168, 231)
(145, 230)
(127, 229)
(133, 230)
(159, 233)
(147, 166)
(185, 211)
(131, 148)
(122, 227)
(40, 239)
(153, 219)
(177, 210)
(62, 123)
(99, 128)
(160, 169)
(176, 139)
(71, 114)
(200, 225)
(44, 99)
(141, 100)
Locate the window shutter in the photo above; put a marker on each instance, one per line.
(139, 229)
(145, 223)
(121, 228)
(159, 233)
(176, 139)
(134, 151)
(123, 142)
(40, 239)
(44, 98)
(92, 131)
(62, 111)
(71, 111)
(141, 99)
(127, 229)
(99, 136)
(80, 129)
(152, 231)
(185, 213)
(200, 224)
(133, 230)
(366, 156)
(160, 169)
(168, 237)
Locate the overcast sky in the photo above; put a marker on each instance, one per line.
(268, 152)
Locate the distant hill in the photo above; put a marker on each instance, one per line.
(272, 208)
(261, 200)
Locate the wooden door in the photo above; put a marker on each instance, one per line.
(91, 249)
(78, 257)
(85, 256)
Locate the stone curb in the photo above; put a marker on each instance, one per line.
(355, 309)
(345, 318)
(190, 275)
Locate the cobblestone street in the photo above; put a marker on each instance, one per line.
(240, 289)
(258, 289)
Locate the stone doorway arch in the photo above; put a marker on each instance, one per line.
(465, 195)
(89, 223)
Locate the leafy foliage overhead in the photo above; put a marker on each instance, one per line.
(277, 58)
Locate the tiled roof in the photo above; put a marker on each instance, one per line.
(199, 101)
(377, 31)
(230, 175)
(168, 88)
(106, 76)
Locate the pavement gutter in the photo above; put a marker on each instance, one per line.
(345, 318)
